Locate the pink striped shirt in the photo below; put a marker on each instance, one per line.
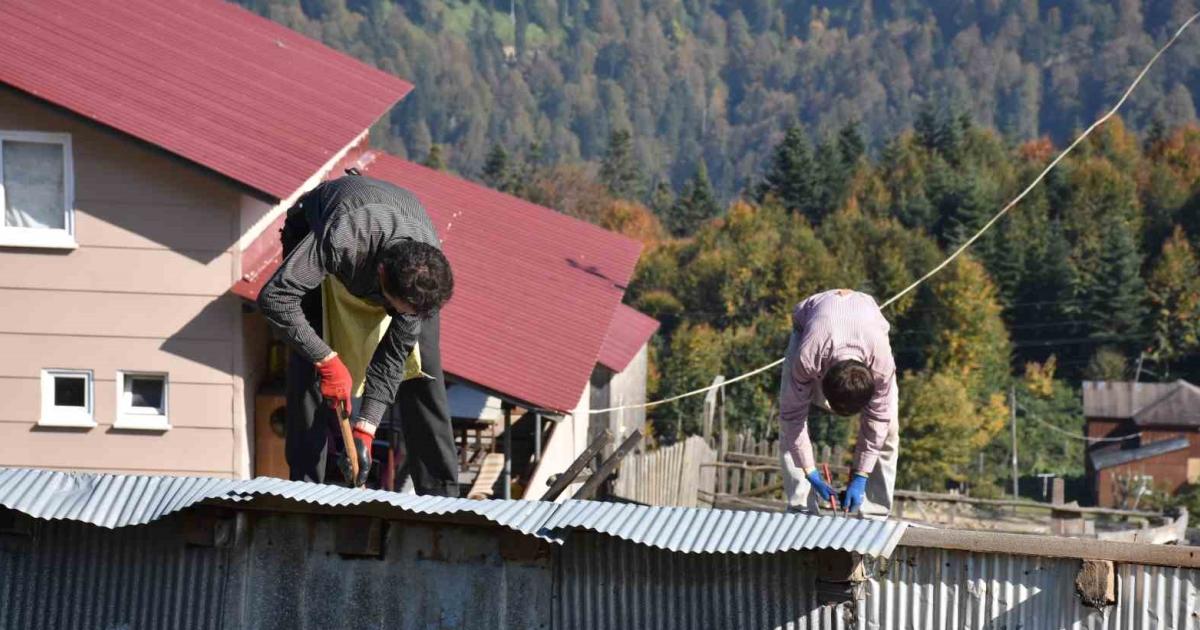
(830, 327)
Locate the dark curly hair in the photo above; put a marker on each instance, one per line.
(417, 273)
(848, 387)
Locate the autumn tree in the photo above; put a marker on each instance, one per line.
(1175, 299)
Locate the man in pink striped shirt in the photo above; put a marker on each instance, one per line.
(839, 358)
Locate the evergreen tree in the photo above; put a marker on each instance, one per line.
(619, 170)
(1117, 301)
(851, 145)
(695, 205)
(435, 160)
(792, 175)
(497, 172)
(663, 199)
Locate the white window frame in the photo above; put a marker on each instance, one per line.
(56, 416)
(142, 418)
(49, 238)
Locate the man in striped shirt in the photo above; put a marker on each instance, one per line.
(377, 241)
(839, 358)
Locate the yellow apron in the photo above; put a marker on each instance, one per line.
(353, 328)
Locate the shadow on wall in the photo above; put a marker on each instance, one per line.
(209, 337)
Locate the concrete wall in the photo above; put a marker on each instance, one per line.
(146, 290)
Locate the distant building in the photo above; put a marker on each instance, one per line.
(1161, 426)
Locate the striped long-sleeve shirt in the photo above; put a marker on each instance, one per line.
(351, 220)
(830, 327)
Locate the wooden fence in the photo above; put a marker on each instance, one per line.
(675, 475)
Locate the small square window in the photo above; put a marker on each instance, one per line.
(142, 401)
(36, 189)
(67, 398)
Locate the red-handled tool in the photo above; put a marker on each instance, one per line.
(833, 502)
(348, 442)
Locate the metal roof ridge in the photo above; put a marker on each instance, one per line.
(116, 500)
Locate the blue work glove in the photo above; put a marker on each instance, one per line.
(818, 484)
(855, 493)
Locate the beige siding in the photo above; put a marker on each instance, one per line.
(196, 451)
(192, 405)
(115, 270)
(146, 290)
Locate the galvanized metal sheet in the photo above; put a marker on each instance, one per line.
(122, 500)
(937, 588)
(701, 530)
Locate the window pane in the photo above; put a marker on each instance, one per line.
(70, 391)
(33, 185)
(146, 392)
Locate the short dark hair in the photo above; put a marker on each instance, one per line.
(417, 273)
(848, 387)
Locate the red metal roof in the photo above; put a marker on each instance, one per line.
(628, 332)
(535, 290)
(204, 79)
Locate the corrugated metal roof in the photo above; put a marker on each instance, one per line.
(627, 333)
(1180, 407)
(702, 530)
(537, 294)
(535, 290)
(1116, 457)
(122, 500)
(1121, 399)
(205, 80)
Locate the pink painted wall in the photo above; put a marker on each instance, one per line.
(146, 290)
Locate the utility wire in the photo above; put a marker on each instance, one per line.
(1074, 436)
(1003, 211)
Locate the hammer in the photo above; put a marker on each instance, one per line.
(347, 441)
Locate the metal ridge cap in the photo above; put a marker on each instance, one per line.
(1052, 547)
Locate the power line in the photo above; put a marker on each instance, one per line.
(1003, 211)
(1073, 436)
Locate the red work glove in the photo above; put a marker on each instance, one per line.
(336, 382)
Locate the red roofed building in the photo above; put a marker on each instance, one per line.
(148, 152)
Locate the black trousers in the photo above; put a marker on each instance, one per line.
(421, 404)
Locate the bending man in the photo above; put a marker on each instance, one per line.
(839, 358)
(360, 287)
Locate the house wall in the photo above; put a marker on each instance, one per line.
(146, 290)
(567, 440)
(1170, 470)
(628, 387)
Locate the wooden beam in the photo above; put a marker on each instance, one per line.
(955, 498)
(609, 466)
(561, 481)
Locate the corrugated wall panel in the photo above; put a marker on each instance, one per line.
(603, 582)
(71, 575)
(939, 589)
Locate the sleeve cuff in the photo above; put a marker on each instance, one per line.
(859, 473)
(371, 411)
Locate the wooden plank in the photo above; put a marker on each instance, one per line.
(489, 472)
(567, 477)
(953, 498)
(609, 466)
